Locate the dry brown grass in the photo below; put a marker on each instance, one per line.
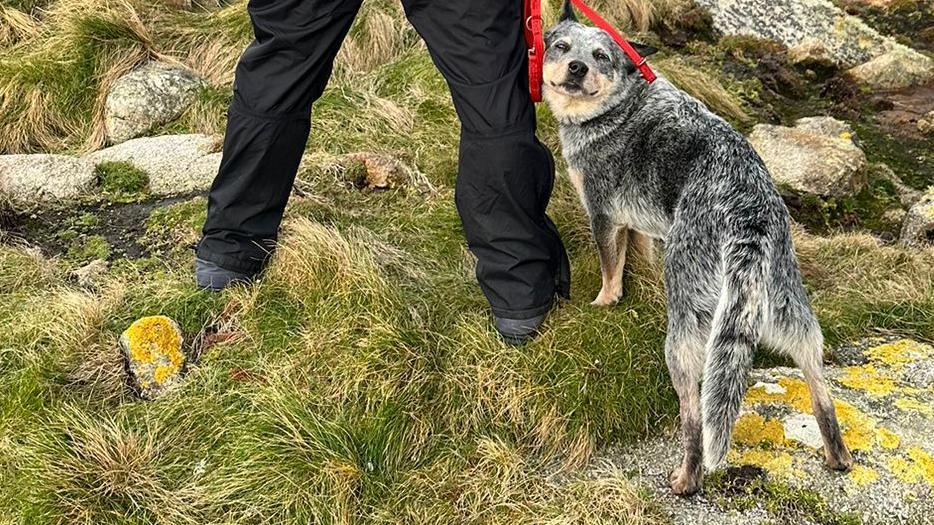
(640, 15)
(703, 85)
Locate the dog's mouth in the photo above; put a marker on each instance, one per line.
(573, 88)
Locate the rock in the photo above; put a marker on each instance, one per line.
(802, 428)
(926, 124)
(827, 126)
(153, 94)
(918, 228)
(885, 408)
(819, 30)
(152, 352)
(90, 274)
(375, 171)
(816, 157)
(898, 68)
(907, 195)
(41, 177)
(175, 164)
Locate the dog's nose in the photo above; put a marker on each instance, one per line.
(577, 68)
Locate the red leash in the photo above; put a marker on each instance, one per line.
(536, 42)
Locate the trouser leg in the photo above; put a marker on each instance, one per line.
(283, 71)
(505, 174)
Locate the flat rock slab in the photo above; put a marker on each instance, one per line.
(41, 177)
(175, 164)
(153, 94)
(884, 400)
(918, 228)
(818, 29)
(152, 351)
(816, 157)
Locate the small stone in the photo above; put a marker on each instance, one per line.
(151, 95)
(894, 215)
(897, 68)
(152, 350)
(90, 274)
(770, 388)
(41, 177)
(175, 164)
(378, 171)
(926, 124)
(918, 228)
(803, 428)
(818, 157)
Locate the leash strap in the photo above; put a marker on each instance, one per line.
(536, 43)
(633, 55)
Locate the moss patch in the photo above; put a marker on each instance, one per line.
(122, 182)
(748, 487)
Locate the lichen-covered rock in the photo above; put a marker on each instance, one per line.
(918, 228)
(816, 30)
(884, 400)
(153, 94)
(153, 354)
(175, 164)
(817, 156)
(897, 68)
(41, 177)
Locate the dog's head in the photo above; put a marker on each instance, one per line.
(584, 68)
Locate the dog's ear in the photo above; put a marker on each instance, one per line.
(568, 12)
(643, 49)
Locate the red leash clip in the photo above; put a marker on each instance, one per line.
(536, 42)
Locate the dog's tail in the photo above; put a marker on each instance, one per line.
(736, 328)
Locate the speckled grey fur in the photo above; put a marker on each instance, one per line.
(654, 160)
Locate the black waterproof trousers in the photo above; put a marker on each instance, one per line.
(505, 174)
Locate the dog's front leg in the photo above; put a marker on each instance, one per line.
(612, 240)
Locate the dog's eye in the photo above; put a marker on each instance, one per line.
(562, 46)
(600, 55)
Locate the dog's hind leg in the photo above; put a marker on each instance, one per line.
(800, 337)
(612, 240)
(684, 346)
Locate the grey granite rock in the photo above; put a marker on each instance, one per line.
(41, 177)
(153, 94)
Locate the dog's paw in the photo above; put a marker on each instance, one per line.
(844, 463)
(684, 484)
(605, 299)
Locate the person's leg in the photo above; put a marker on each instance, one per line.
(278, 78)
(505, 174)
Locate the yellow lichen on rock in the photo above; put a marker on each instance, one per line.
(887, 439)
(862, 475)
(152, 347)
(908, 404)
(775, 462)
(753, 429)
(859, 430)
(869, 379)
(795, 395)
(899, 353)
(917, 468)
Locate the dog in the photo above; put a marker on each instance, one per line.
(649, 160)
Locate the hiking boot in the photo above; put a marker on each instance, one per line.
(212, 277)
(518, 331)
